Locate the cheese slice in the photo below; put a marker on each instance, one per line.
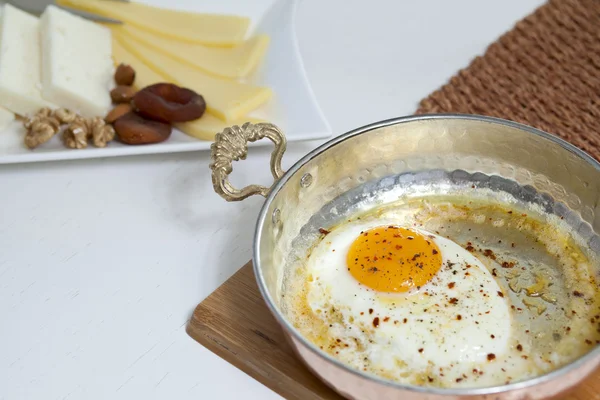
(203, 128)
(20, 62)
(77, 68)
(228, 100)
(235, 62)
(144, 75)
(207, 126)
(209, 29)
(6, 117)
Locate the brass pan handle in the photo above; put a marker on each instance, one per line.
(232, 145)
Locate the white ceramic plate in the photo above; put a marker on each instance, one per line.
(293, 107)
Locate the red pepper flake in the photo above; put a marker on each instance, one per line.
(500, 294)
(421, 350)
(430, 379)
(491, 357)
(489, 253)
(519, 347)
(362, 313)
(398, 247)
(470, 248)
(370, 311)
(508, 264)
(451, 285)
(324, 231)
(475, 371)
(493, 337)
(386, 319)
(434, 251)
(459, 317)
(458, 380)
(405, 320)
(376, 322)
(494, 272)
(577, 294)
(453, 300)
(338, 340)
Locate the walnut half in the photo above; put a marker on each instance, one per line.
(40, 128)
(78, 132)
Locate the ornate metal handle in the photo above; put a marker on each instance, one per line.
(232, 145)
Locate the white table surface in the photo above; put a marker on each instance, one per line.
(103, 261)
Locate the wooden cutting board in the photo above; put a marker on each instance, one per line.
(235, 323)
(545, 72)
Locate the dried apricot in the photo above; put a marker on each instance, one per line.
(166, 102)
(134, 129)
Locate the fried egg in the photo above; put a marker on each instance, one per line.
(410, 305)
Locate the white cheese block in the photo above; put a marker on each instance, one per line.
(6, 117)
(77, 62)
(20, 64)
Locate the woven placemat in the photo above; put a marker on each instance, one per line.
(544, 73)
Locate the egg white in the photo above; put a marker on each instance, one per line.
(453, 331)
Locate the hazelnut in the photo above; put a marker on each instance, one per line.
(133, 129)
(124, 75)
(117, 112)
(122, 94)
(166, 102)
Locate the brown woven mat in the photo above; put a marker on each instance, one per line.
(545, 73)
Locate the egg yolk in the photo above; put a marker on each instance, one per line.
(393, 259)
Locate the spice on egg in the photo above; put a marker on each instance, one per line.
(489, 253)
(376, 322)
(491, 357)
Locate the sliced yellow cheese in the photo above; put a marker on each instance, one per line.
(234, 62)
(144, 75)
(209, 29)
(207, 126)
(228, 100)
(203, 128)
